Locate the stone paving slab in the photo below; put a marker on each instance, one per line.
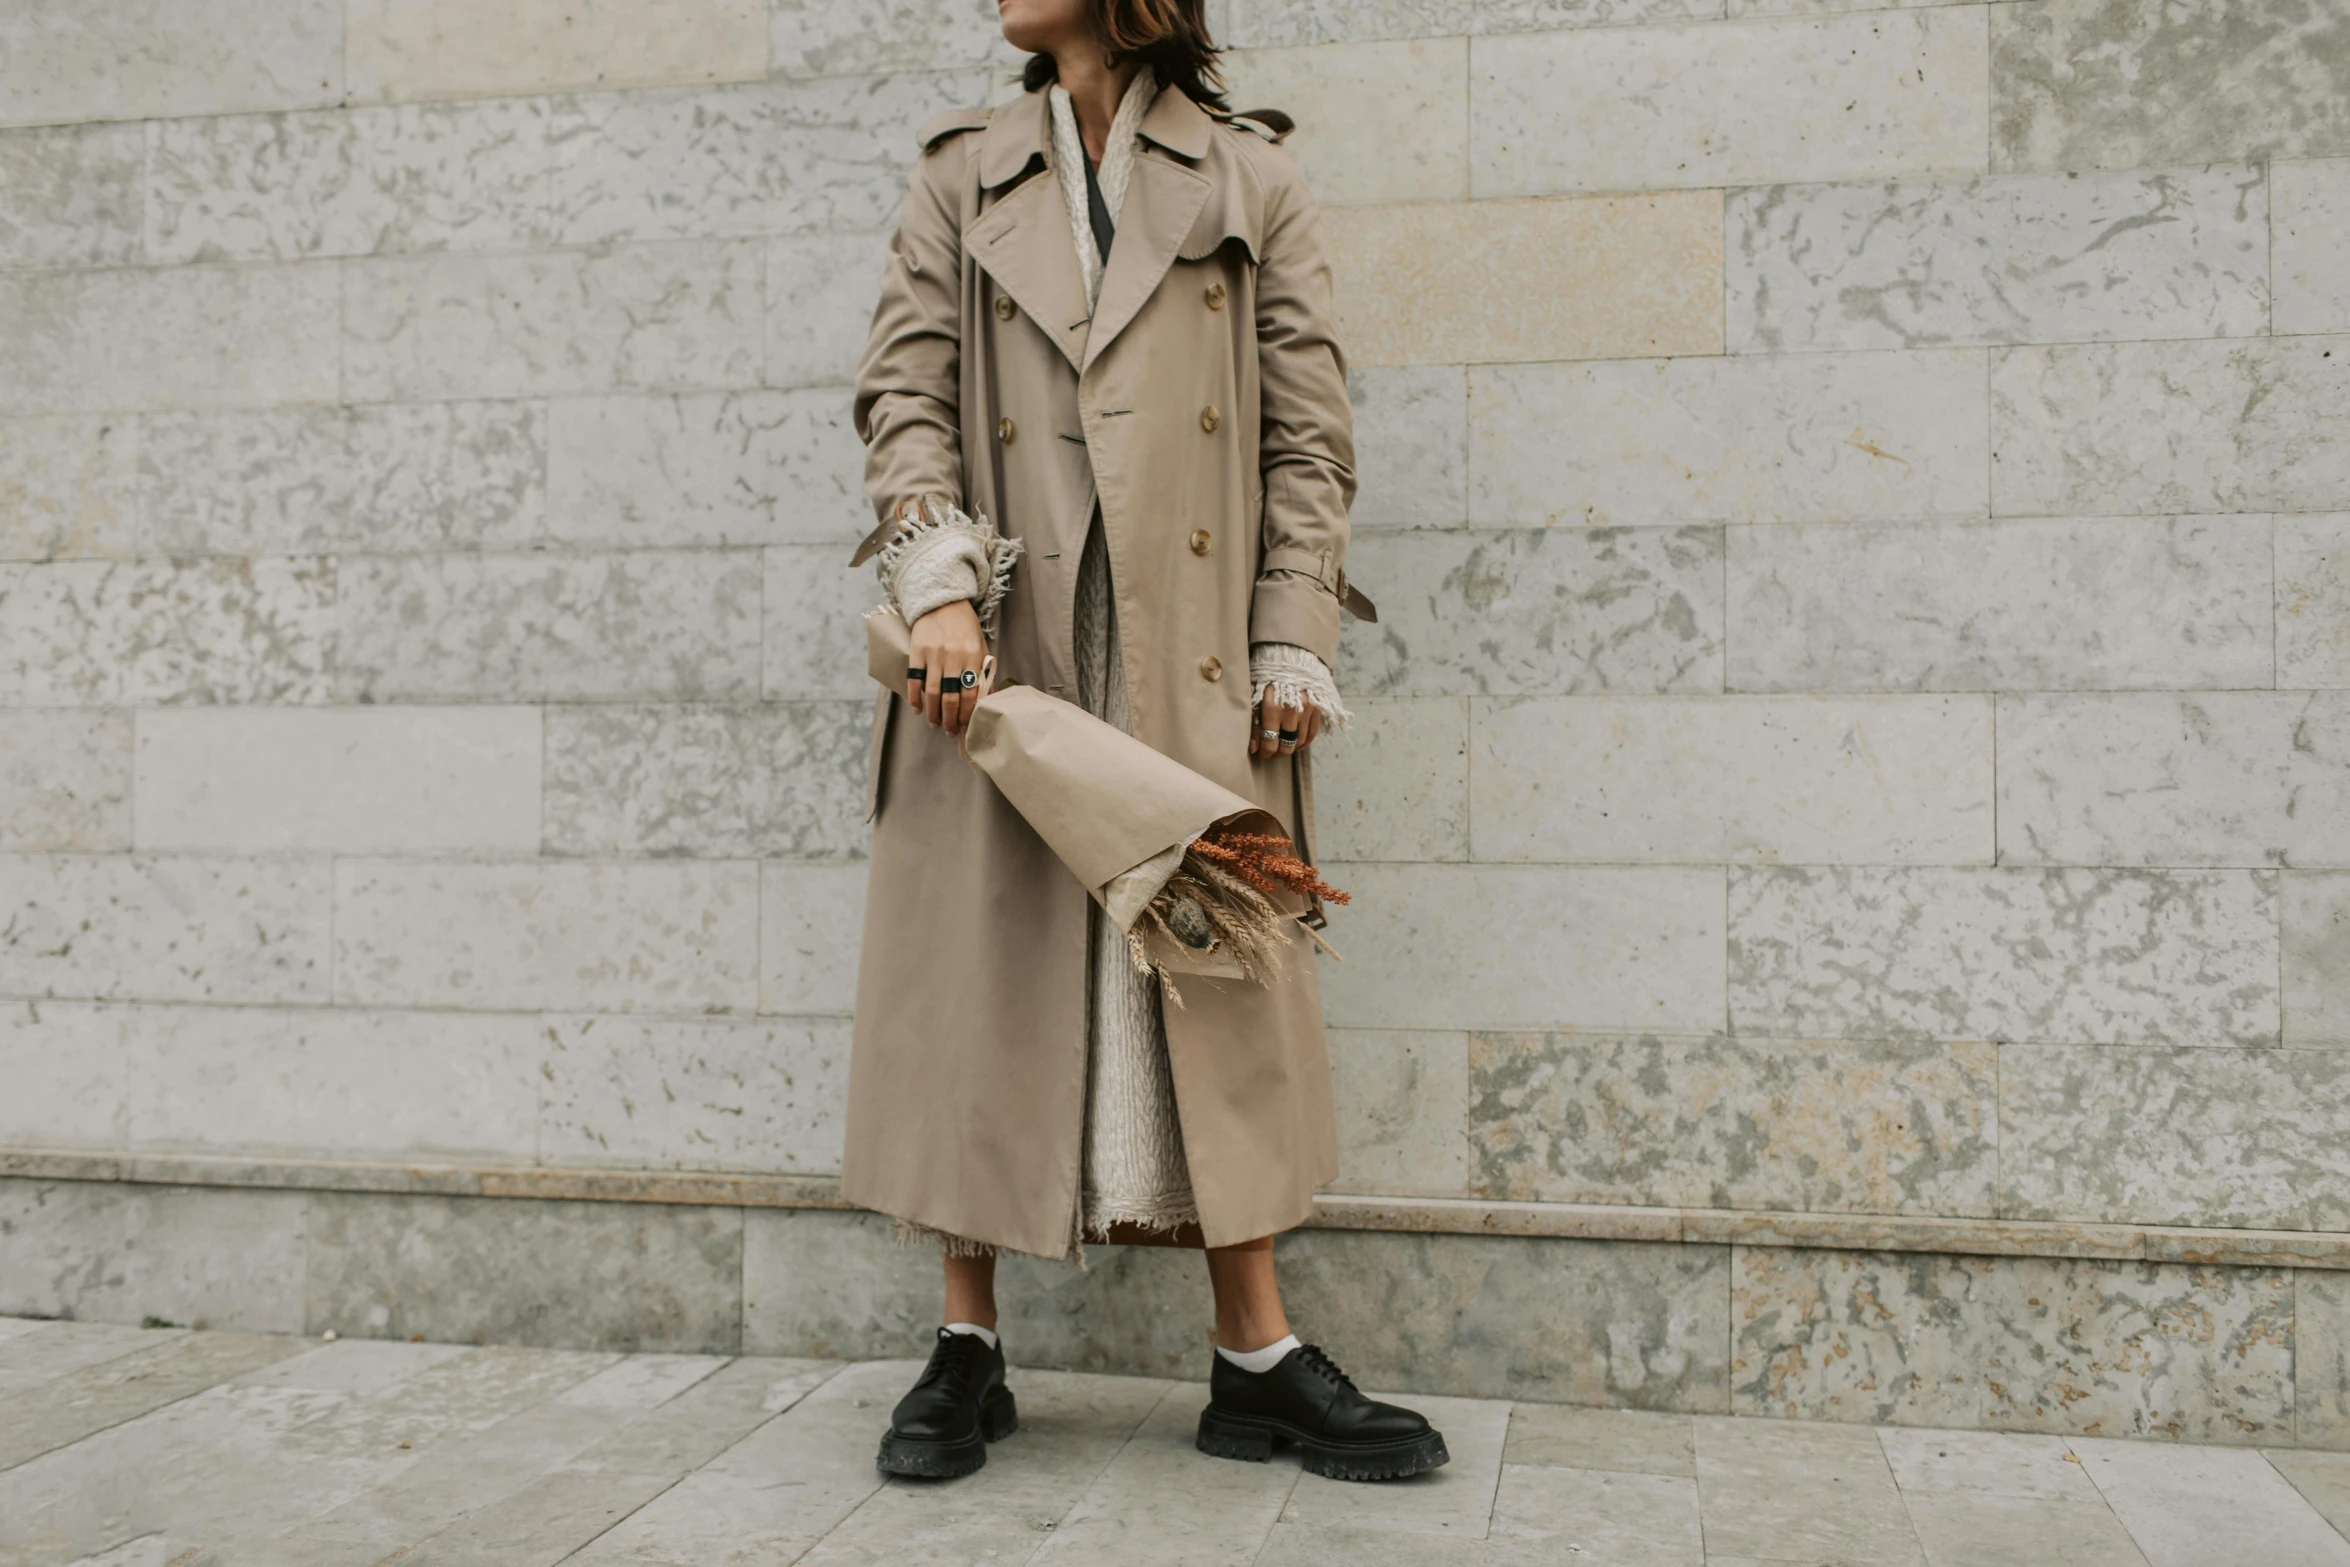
(166, 1448)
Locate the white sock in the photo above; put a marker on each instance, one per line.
(986, 1335)
(1259, 1361)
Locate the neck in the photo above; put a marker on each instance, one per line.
(1095, 89)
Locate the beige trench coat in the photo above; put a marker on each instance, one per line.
(1204, 404)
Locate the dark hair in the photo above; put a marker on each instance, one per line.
(1169, 36)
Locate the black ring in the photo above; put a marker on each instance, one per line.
(969, 678)
(916, 674)
(1288, 737)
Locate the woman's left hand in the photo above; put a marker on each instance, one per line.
(1306, 721)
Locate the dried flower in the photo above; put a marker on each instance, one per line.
(1267, 862)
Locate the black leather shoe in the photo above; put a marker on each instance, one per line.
(960, 1404)
(1307, 1400)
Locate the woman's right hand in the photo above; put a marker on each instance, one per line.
(944, 643)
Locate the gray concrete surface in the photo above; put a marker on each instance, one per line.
(161, 1447)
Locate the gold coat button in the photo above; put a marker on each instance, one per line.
(1215, 296)
(1200, 541)
(1211, 668)
(1005, 430)
(1003, 307)
(1209, 418)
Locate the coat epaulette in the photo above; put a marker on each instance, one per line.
(1271, 124)
(946, 123)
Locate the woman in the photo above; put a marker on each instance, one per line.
(1109, 441)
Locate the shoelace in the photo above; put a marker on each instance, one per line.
(951, 1358)
(1325, 1367)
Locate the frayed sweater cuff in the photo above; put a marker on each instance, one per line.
(1294, 677)
(947, 557)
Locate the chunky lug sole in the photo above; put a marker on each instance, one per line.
(999, 1417)
(1252, 1439)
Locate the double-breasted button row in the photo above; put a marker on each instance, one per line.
(1209, 418)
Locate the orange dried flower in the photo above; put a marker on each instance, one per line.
(1268, 863)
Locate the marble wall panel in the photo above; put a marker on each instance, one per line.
(1375, 121)
(2233, 1138)
(202, 1258)
(787, 157)
(1462, 282)
(1537, 610)
(765, 1095)
(814, 624)
(2317, 959)
(1262, 23)
(150, 59)
(329, 1083)
(641, 1277)
(493, 48)
(1822, 780)
(2172, 603)
(1395, 785)
(183, 337)
(818, 38)
(678, 624)
(821, 291)
(834, 1284)
(384, 478)
(280, 187)
(811, 925)
(2311, 232)
(638, 318)
(2014, 1343)
(784, 779)
(2313, 601)
(1526, 946)
(714, 468)
(63, 1063)
(1811, 1126)
(1646, 108)
(154, 631)
(2217, 778)
(1411, 447)
(381, 780)
(1402, 1112)
(2034, 258)
(69, 487)
(164, 927)
(1562, 1321)
(2106, 84)
(71, 196)
(1799, 438)
(2058, 956)
(65, 780)
(2250, 424)
(2321, 1358)
(647, 936)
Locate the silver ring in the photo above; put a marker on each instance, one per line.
(968, 679)
(1267, 734)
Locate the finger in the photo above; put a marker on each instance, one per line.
(1309, 726)
(930, 695)
(1256, 725)
(1269, 728)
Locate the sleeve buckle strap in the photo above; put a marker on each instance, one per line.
(1306, 563)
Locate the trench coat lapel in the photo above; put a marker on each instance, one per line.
(1023, 242)
(1162, 199)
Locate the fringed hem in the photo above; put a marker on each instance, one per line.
(907, 1233)
(943, 556)
(1295, 677)
(1163, 1215)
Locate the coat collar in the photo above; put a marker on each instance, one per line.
(1021, 132)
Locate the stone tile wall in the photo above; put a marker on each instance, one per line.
(1859, 499)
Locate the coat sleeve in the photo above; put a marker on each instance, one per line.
(1306, 445)
(909, 382)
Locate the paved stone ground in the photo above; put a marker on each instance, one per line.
(165, 1448)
